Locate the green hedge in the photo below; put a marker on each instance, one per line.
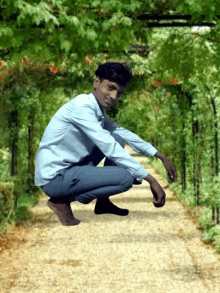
(7, 201)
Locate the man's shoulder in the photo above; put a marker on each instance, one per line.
(82, 99)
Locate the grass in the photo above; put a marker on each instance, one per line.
(22, 212)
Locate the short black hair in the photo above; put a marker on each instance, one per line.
(116, 72)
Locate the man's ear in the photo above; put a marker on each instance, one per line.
(95, 80)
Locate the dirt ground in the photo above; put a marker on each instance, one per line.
(150, 250)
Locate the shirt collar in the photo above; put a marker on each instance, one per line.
(100, 109)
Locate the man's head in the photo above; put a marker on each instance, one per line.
(111, 80)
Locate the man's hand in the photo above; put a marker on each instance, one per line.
(172, 174)
(158, 193)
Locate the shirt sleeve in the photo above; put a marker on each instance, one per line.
(134, 141)
(84, 117)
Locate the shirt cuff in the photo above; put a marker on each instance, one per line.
(139, 179)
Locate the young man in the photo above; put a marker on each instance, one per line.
(76, 140)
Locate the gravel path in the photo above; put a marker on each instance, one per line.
(151, 250)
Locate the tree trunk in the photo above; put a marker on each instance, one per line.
(14, 143)
(196, 163)
(31, 150)
(31, 145)
(216, 139)
(216, 162)
(183, 158)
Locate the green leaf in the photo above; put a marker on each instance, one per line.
(127, 21)
(66, 45)
(57, 3)
(6, 31)
(74, 20)
(91, 35)
(95, 3)
(133, 6)
(106, 25)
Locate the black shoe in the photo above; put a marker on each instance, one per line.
(105, 206)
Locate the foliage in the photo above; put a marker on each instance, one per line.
(213, 236)
(64, 33)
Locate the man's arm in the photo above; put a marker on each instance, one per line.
(172, 174)
(160, 156)
(150, 179)
(84, 117)
(142, 147)
(133, 140)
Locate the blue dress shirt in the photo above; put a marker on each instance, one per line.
(73, 132)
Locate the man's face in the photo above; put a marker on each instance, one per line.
(106, 93)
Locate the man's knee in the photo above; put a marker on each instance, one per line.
(119, 139)
(127, 181)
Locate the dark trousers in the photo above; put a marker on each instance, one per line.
(85, 182)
